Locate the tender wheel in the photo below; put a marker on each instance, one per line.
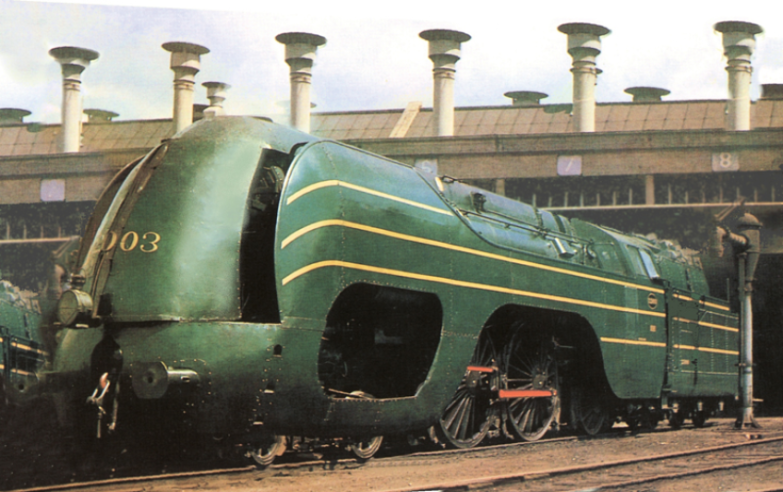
(365, 450)
(589, 413)
(642, 419)
(265, 453)
(467, 418)
(676, 419)
(699, 418)
(529, 418)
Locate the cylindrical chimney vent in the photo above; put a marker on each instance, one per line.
(99, 115)
(73, 62)
(526, 98)
(186, 63)
(13, 116)
(584, 46)
(647, 94)
(739, 41)
(444, 51)
(216, 93)
(300, 49)
(772, 91)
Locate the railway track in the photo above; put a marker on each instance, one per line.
(384, 473)
(622, 474)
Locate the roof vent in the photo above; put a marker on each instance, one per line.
(768, 91)
(584, 46)
(444, 48)
(73, 62)
(186, 63)
(647, 94)
(739, 42)
(300, 50)
(12, 116)
(526, 98)
(100, 115)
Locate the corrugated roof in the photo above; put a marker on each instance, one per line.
(42, 139)
(357, 125)
(509, 120)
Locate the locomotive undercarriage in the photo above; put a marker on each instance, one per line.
(536, 371)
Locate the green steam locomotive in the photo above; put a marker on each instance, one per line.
(248, 281)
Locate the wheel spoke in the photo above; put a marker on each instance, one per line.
(529, 367)
(467, 418)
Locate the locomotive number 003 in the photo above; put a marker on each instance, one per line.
(147, 242)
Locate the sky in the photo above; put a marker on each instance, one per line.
(373, 58)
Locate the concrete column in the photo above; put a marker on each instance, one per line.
(444, 51)
(584, 46)
(99, 115)
(73, 62)
(13, 116)
(300, 50)
(649, 190)
(647, 94)
(216, 93)
(500, 187)
(525, 98)
(739, 42)
(186, 63)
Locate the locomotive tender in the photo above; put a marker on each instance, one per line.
(22, 352)
(244, 279)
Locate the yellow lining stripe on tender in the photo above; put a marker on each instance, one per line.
(2, 367)
(23, 373)
(461, 283)
(708, 325)
(28, 348)
(711, 373)
(706, 349)
(429, 242)
(343, 184)
(625, 341)
(710, 304)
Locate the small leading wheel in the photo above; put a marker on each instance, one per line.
(533, 370)
(365, 450)
(264, 453)
(589, 413)
(467, 418)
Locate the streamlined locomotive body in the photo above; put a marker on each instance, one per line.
(245, 279)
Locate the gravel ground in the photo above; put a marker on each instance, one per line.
(34, 453)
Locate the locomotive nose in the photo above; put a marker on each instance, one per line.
(152, 380)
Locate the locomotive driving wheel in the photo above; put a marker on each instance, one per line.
(533, 372)
(467, 418)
